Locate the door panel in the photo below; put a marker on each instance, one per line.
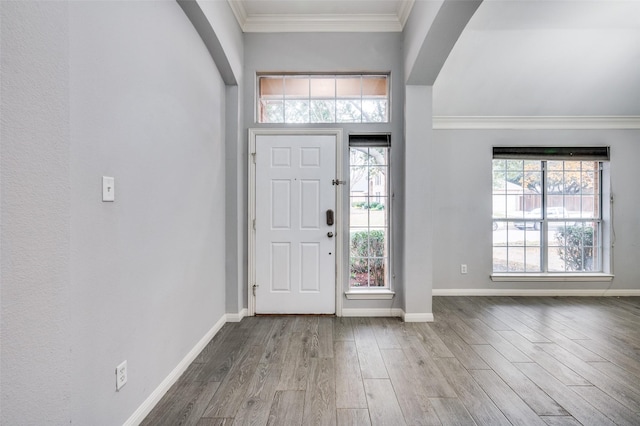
(280, 267)
(310, 205)
(309, 263)
(295, 251)
(281, 204)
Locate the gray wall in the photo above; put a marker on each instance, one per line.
(337, 52)
(419, 182)
(423, 13)
(550, 58)
(102, 88)
(228, 32)
(35, 367)
(224, 39)
(533, 59)
(235, 237)
(463, 205)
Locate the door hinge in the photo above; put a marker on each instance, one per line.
(254, 224)
(255, 286)
(338, 182)
(253, 155)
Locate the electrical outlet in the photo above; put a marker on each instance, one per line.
(121, 375)
(463, 268)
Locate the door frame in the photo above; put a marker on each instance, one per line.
(253, 134)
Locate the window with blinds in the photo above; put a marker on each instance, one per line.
(547, 209)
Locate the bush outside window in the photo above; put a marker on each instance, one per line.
(369, 217)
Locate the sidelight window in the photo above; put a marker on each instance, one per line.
(369, 206)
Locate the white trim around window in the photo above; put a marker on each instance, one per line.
(541, 277)
(369, 294)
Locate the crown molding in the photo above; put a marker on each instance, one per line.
(536, 122)
(278, 23)
(404, 9)
(321, 23)
(238, 9)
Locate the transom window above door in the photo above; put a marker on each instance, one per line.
(311, 98)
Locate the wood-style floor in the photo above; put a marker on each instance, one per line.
(485, 361)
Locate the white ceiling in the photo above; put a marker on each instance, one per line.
(321, 15)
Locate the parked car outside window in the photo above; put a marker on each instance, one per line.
(533, 218)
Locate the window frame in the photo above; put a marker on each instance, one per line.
(310, 99)
(372, 292)
(601, 223)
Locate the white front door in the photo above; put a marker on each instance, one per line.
(295, 259)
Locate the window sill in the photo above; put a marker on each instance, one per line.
(369, 294)
(599, 277)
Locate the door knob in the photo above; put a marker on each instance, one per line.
(330, 234)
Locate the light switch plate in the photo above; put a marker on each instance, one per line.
(108, 188)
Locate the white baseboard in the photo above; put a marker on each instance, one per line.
(424, 317)
(391, 312)
(237, 317)
(139, 415)
(379, 312)
(536, 292)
